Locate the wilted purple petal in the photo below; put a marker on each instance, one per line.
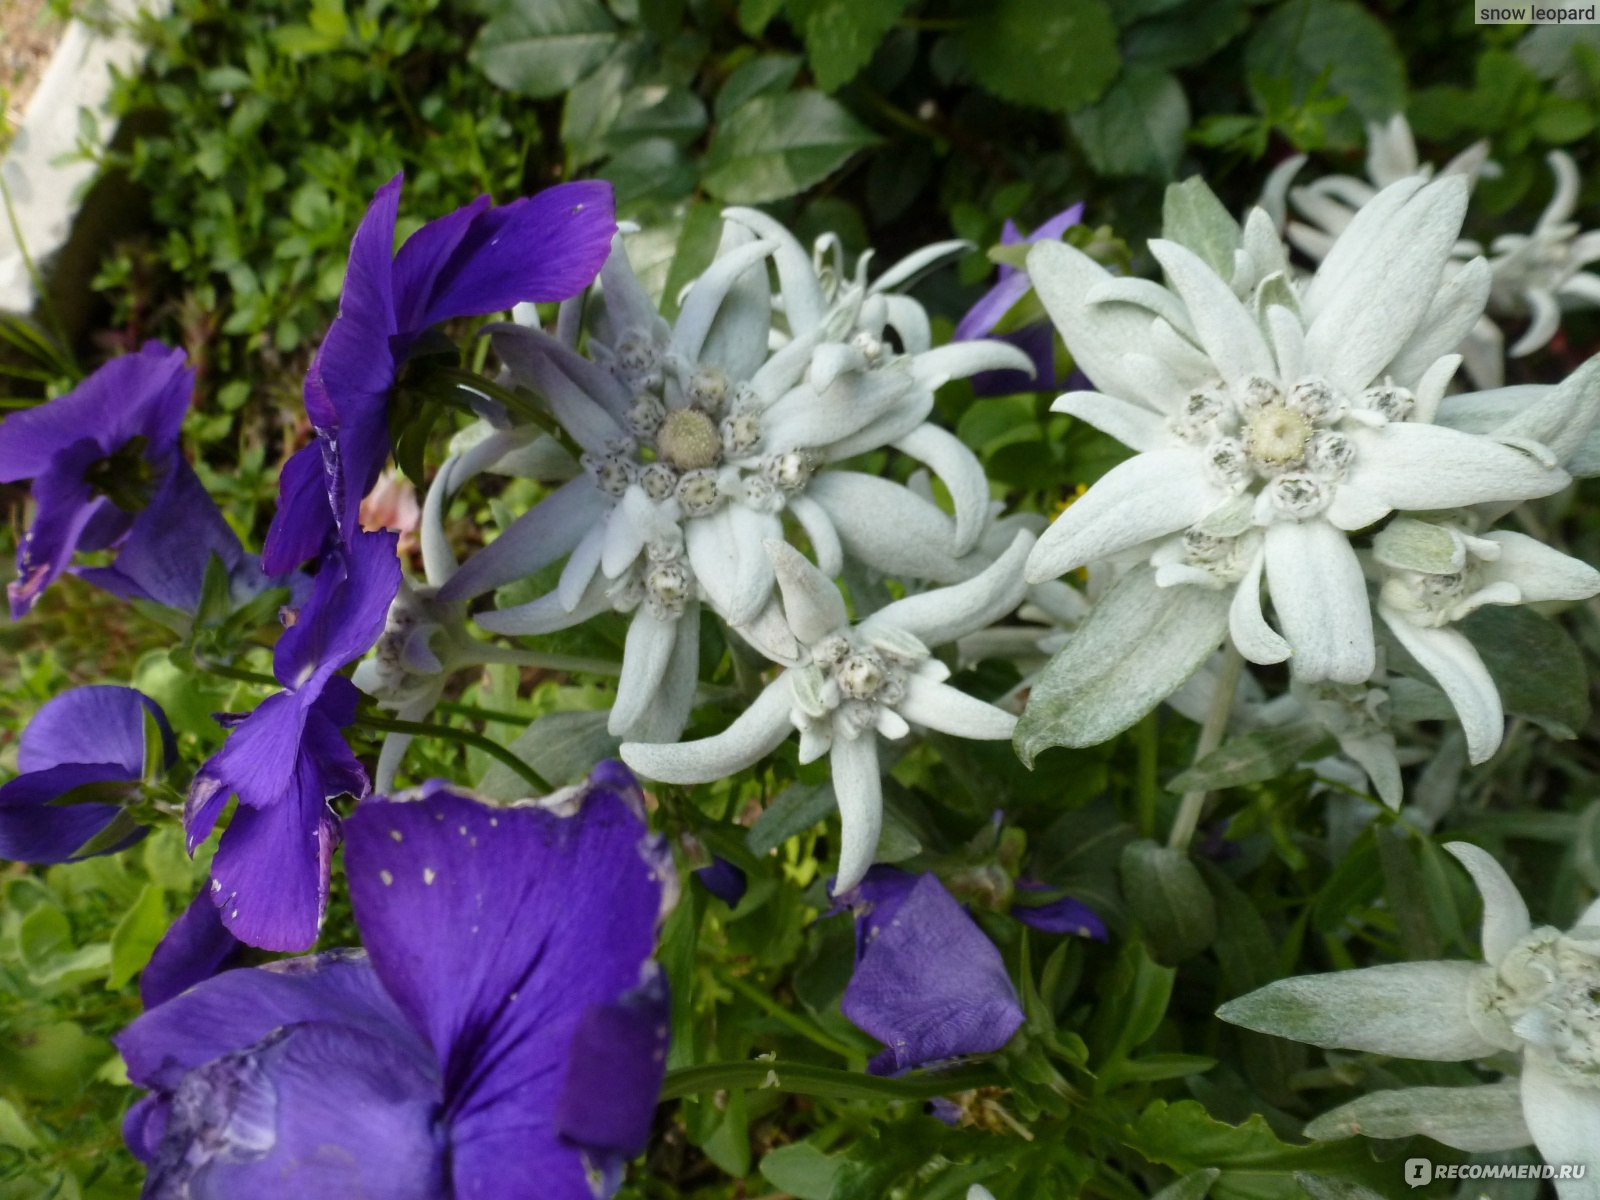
(1062, 915)
(930, 986)
(314, 1110)
(724, 881)
(195, 947)
(64, 506)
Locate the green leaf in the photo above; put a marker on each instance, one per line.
(1192, 216)
(1134, 649)
(841, 35)
(1169, 899)
(561, 747)
(801, 1170)
(543, 49)
(1487, 1117)
(1412, 545)
(754, 15)
(1304, 38)
(1059, 56)
(1186, 35)
(1192, 1186)
(1537, 667)
(136, 935)
(1255, 1165)
(1138, 126)
(1253, 757)
(796, 809)
(778, 145)
(755, 77)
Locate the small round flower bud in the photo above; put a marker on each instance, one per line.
(1299, 495)
(861, 675)
(645, 415)
(708, 390)
(1258, 392)
(688, 440)
(658, 480)
(698, 493)
(611, 471)
(870, 345)
(1388, 401)
(789, 471)
(1330, 454)
(1316, 399)
(830, 651)
(741, 433)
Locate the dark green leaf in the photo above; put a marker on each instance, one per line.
(1169, 900)
(1253, 758)
(543, 49)
(1535, 664)
(840, 35)
(777, 145)
(1137, 127)
(1304, 38)
(1059, 56)
(755, 77)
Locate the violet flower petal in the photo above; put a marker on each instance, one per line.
(614, 1069)
(931, 986)
(317, 1109)
(346, 612)
(304, 518)
(496, 931)
(33, 830)
(96, 724)
(724, 881)
(1064, 915)
(195, 947)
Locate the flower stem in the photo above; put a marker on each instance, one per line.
(802, 1079)
(1149, 786)
(367, 720)
(1216, 724)
(781, 1014)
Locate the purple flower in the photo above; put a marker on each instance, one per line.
(1061, 915)
(196, 947)
(96, 456)
(928, 984)
(1036, 340)
(91, 738)
(478, 259)
(169, 548)
(504, 1037)
(284, 760)
(724, 881)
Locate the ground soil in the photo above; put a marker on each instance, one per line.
(28, 33)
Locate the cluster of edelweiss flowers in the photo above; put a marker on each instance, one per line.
(1306, 488)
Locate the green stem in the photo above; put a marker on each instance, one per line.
(1216, 724)
(465, 736)
(800, 1079)
(782, 1015)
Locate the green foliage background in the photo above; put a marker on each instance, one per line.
(257, 136)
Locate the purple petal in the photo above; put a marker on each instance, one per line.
(34, 830)
(143, 1126)
(614, 1069)
(304, 519)
(256, 763)
(1038, 342)
(724, 881)
(423, 259)
(97, 724)
(874, 902)
(344, 616)
(170, 545)
(315, 1110)
(195, 948)
(1064, 915)
(355, 357)
(236, 1009)
(544, 247)
(357, 453)
(1051, 230)
(269, 879)
(931, 986)
(992, 306)
(64, 506)
(496, 930)
(142, 394)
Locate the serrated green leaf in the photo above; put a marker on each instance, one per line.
(1059, 56)
(543, 49)
(1137, 127)
(1192, 216)
(1253, 757)
(1302, 39)
(841, 35)
(777, 145)
(1137, 647)
(1169, 899)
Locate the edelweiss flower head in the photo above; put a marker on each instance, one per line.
(843, 685)
(1270, 429)
(697, 438)
(1435, 574)
(1538, 274)
(1537, 995)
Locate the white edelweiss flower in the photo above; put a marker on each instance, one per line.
(844, 685)
(978, 1192)
(1539, 274)
(1537, 995)
(425, 639)
(1435, 574)
(696, 439)
(1270, 430)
